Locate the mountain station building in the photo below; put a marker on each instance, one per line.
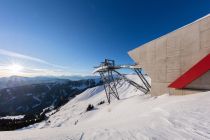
(178, 63)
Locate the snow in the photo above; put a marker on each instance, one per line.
(12, 99)
(99, 69)
(13, 117)
(8, 90)
(135, 116)
(19, 107)
(36, 98)
(29, 94)
(34, 106)
(48, 86)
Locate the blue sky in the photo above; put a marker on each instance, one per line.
(69, 37)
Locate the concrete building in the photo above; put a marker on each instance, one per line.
(175, 55)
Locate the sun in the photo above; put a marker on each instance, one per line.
(15, 68)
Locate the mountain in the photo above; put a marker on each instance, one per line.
(78, 77)
(134, 117)
(33, 98)
(14, 81)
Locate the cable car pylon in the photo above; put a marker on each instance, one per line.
(108, 73)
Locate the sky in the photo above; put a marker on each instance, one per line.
(70, 37)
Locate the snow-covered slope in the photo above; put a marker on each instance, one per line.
(134, 117)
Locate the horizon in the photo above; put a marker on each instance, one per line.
(52, 76)
(68, 38)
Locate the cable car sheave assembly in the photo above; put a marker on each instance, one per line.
(110, 77)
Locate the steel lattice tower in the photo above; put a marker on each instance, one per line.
(108, 72)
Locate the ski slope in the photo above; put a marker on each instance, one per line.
(134, 117)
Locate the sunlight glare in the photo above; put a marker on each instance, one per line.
(15, 68)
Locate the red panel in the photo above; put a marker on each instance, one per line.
(192, 74)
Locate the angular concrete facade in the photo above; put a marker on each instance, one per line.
(168, 57)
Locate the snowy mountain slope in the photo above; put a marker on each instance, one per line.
(75, 110)
(133, 117)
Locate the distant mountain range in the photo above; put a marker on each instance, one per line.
(78, 77)
(25, 95)
(14, 81)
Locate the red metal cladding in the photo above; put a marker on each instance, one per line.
(192, 74)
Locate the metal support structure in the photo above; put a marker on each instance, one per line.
(110, 81)
(143, 79)
(109, 85)
(141, 88)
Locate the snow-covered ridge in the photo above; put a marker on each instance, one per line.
(135, 116)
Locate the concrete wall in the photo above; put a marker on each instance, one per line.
(168, 57)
